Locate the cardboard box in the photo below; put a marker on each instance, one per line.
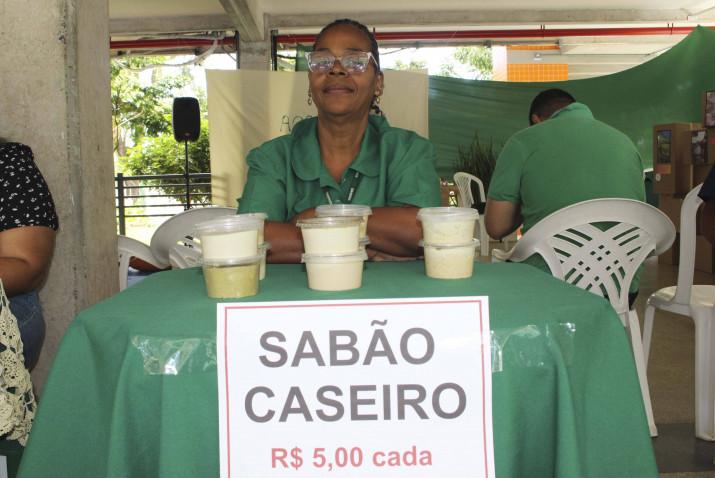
(672, 157)
(671, 205)
(704, 257)
(679, 179)
(671, 256)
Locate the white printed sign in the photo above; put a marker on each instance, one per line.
(383, 387)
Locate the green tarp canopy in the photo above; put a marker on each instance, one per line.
(665, 89)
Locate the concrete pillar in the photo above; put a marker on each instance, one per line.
(55, 97)
(255, 55)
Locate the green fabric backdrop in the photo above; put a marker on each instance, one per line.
(665, 89)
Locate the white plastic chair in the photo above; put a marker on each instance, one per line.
(466, 199)
(173, 244)
(185, 255)
(603, 262)
(697, 302)
(129, 248)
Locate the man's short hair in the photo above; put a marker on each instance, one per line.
(548, 102)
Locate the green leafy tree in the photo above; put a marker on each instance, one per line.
(477, 59)
(447, 69)
(162, 154)
(141, 113)
(141, 110)
(411, 66)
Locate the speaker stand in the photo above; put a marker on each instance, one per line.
(187, 206)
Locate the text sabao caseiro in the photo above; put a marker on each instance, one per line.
(357, 402)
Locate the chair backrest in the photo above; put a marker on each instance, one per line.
(603, 262)
(128, 248)
(686, 265)
(178, 229)
(188, 254)
(463, 180)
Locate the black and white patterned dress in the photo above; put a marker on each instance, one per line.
(25, 199)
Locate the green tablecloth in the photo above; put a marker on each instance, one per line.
(566, 401)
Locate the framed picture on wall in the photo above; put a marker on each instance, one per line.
(699, 146)
(709, 107)
(663, 146)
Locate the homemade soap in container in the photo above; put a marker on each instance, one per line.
(347, 210)
(448, 241)
(333, 255)
(335, 272)
(330, 235)
(230, 256)
(263, 246)
(450, 261)
(232, 278)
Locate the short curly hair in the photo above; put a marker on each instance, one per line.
(363, 29)
(548, 102)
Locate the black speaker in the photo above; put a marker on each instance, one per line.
(186, 119)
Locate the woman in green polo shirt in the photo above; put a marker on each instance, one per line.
(344, 155)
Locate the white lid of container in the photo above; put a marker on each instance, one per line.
(446, 213)
(328, 222)
(226, 224)
(364, 241)
(239, 261)
(260, 215)
(334, 258)
(264, 246)
(343, 210)
(474, 243)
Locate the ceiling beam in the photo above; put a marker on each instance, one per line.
(250, 29)
(154, 25)
(425, 19)
(248, 23)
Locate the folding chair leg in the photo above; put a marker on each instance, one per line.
(123, 270)
(483, 237)
(634, 333)
(647, 332)
(704, 380)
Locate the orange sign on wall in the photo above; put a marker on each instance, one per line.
(521, 72)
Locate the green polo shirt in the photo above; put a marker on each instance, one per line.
(566, 159)
(287, 176)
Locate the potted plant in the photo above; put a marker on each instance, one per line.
(478, 158)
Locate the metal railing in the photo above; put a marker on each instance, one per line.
(136, 195)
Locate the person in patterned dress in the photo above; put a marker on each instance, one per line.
(28, 223)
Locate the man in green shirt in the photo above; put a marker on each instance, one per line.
(565, 157)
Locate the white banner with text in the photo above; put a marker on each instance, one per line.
(379, 388)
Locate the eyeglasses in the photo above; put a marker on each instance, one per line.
(352, 62)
